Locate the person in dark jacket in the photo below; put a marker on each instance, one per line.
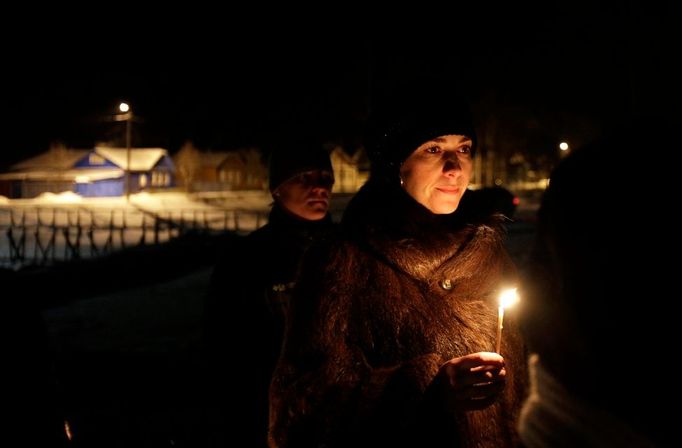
(598, 312)
(393, 325)
(250, 289)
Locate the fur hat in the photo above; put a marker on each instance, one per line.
(410, 115)
(294, 158)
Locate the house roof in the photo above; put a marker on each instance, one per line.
(61, 159)
(141, 159)
(79, 175)
(213, 159)
(339, 153)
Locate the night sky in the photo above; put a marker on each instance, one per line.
(566, 74)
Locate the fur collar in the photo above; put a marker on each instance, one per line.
(385, 220)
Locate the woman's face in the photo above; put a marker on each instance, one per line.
(437, 173)
(306, 195)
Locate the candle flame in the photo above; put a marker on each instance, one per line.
(67, 430)
(508, 297)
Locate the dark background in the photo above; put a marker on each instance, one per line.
(539, 73)
(126, 360)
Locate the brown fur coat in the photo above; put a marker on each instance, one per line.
(371, 324)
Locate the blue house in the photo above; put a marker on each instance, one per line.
(96, 172)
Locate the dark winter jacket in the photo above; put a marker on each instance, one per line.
(377, 313)
(244, 320)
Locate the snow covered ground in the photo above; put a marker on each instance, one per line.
(66, 226)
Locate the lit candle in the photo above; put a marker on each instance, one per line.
(508, 297)
(67, 430)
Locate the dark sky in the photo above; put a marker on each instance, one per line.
(569, 70)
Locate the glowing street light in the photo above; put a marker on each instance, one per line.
(563, 146)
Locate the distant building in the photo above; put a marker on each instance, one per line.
(202, 171)
(350, 172)
(89, 172)
(243, 170)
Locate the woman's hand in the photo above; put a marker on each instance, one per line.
(473, 381)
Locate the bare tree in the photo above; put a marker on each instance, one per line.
(187, 163)
(58, 154)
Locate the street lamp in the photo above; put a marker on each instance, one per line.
(563, 147)
(127, 116)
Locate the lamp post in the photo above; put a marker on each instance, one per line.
(563, 147)
(127, 116)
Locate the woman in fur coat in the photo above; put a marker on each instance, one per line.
(392, 327)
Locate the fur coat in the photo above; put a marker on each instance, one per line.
(377, 313)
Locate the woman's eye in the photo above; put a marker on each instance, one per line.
(465, 149)
(433, 150)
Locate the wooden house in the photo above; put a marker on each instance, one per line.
(101, 171)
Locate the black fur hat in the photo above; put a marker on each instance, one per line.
(405, 117)
(294, 158)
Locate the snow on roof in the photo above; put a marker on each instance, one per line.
(60, 159)
(141, 159)
(91, 175)
(339, 153)
(78, 175)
